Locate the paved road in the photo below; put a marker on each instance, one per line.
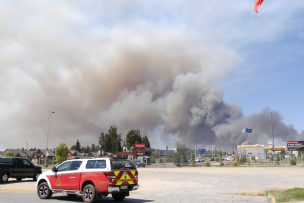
(183, 185)
(61, 198)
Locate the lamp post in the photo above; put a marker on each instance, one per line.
(195, 151)
(272, 131)
(47, 137)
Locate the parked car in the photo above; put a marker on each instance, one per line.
(199, 159)
(90, 178)
(139, 163)
(18, 168)
(228, 158)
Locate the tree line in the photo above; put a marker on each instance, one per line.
(111, 141)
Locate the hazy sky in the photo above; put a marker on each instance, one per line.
(136, 64)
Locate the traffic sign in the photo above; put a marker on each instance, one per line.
(295, 145)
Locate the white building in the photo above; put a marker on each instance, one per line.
(257, 152)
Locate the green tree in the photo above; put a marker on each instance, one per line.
(8, 153)
(110, 141)
(93, 148)
(86, 149)
(146, 141)
(61, 152)
(180, 157)
(77, 146)
(220, 154)
(154, 157)
(210, 153)
(133, 137)
(193, 159)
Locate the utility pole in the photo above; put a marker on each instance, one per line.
(195, 151)
(272, 132)
(47, 137)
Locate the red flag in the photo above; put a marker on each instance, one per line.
(257, 5)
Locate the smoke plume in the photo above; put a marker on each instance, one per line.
(157, 79)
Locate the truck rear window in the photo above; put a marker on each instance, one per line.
(96, 164)
(122, 164)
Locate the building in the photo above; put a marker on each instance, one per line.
(41, 154)
(254, 152)
(125, 155)
(74, 154)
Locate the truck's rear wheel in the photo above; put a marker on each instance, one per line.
(4, 177)
(118, 196)
(89, 193)
(44, 191)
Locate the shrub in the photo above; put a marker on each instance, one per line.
(207, 164)
(8, 153)
(243, 160)
(221, 164)
(61, 152)
(235, 164)
(293, 162)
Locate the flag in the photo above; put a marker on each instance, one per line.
(257, 5)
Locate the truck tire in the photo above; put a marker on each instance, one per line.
(43, 191)
(89, 193)
(118, 196)
(4, 177)
(18, 179)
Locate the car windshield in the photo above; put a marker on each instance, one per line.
(122, 164)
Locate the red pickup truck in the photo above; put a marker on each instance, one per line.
(91, 178)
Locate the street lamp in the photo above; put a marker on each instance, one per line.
(272, 131)
(195, 150)
(47, 136)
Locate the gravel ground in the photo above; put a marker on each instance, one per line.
(198, 184)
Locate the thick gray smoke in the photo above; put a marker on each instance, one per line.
(143, 80)
(152, 78)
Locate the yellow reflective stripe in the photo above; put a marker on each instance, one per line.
(125, 177)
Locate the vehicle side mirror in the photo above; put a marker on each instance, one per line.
(54, 169)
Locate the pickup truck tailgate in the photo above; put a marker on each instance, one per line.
(123, 177)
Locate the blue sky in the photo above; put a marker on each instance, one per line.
(270, 75)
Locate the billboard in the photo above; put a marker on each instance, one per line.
(201, 151)
(139, 145)
(295, 145)
(247, 130)
(139, 149)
